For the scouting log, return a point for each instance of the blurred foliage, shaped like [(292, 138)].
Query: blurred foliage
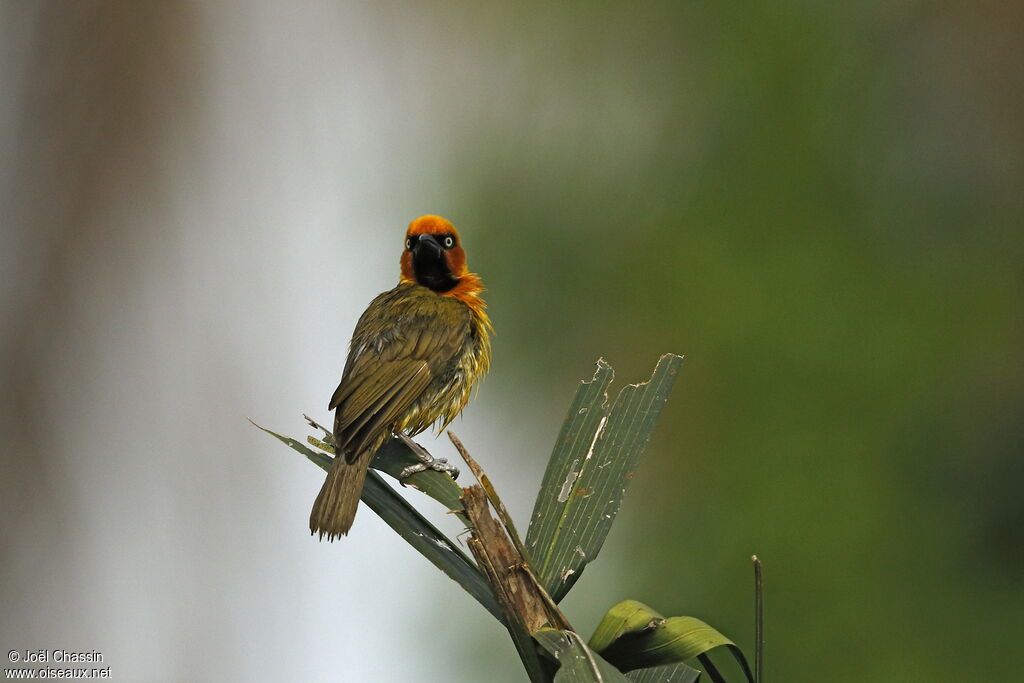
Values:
[(820, 205)]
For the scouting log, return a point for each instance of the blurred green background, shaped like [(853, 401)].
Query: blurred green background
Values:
[(819, 204)]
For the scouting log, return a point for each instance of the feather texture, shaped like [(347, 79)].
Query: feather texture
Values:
[(412, 362), (414, 356)]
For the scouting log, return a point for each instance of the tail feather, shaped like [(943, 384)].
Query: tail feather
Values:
[(336, 504)]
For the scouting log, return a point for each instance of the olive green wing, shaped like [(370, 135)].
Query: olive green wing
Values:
[(387, 373)]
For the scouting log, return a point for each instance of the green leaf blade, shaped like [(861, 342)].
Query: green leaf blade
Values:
[(576, 662), (598, 449), (633, 636), (672, 640), (413, 527), (669, 673), (628, 616), (425, 537)]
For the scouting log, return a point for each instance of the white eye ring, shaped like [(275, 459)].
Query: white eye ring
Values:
[(449, 242), (408, 243)]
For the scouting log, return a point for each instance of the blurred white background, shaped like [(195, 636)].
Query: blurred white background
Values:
[(199, 200)]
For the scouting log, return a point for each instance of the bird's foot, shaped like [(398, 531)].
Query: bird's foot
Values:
[(426, 461)]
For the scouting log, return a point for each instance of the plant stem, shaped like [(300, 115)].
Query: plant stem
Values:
[(557, 618), (521, 604), (758, 620)]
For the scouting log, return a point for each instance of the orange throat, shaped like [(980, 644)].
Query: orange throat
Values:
[(467, 291)]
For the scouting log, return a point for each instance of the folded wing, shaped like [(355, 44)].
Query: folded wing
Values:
[(387, 373)]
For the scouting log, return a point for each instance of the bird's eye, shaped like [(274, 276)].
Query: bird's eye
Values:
[(449, 242), (408, 243)]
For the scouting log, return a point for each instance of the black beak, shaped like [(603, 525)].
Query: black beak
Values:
[(430, 264), (427, 244)]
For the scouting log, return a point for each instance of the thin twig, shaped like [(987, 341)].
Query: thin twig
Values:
[(492, 495), (758, 620), (329, 435)]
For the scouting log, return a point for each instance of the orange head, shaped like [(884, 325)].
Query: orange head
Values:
[(434, 258)]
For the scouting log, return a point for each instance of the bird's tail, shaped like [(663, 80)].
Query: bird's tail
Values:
[(336, 504)]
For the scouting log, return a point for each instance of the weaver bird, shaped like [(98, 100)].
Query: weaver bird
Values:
[(415, 354)]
